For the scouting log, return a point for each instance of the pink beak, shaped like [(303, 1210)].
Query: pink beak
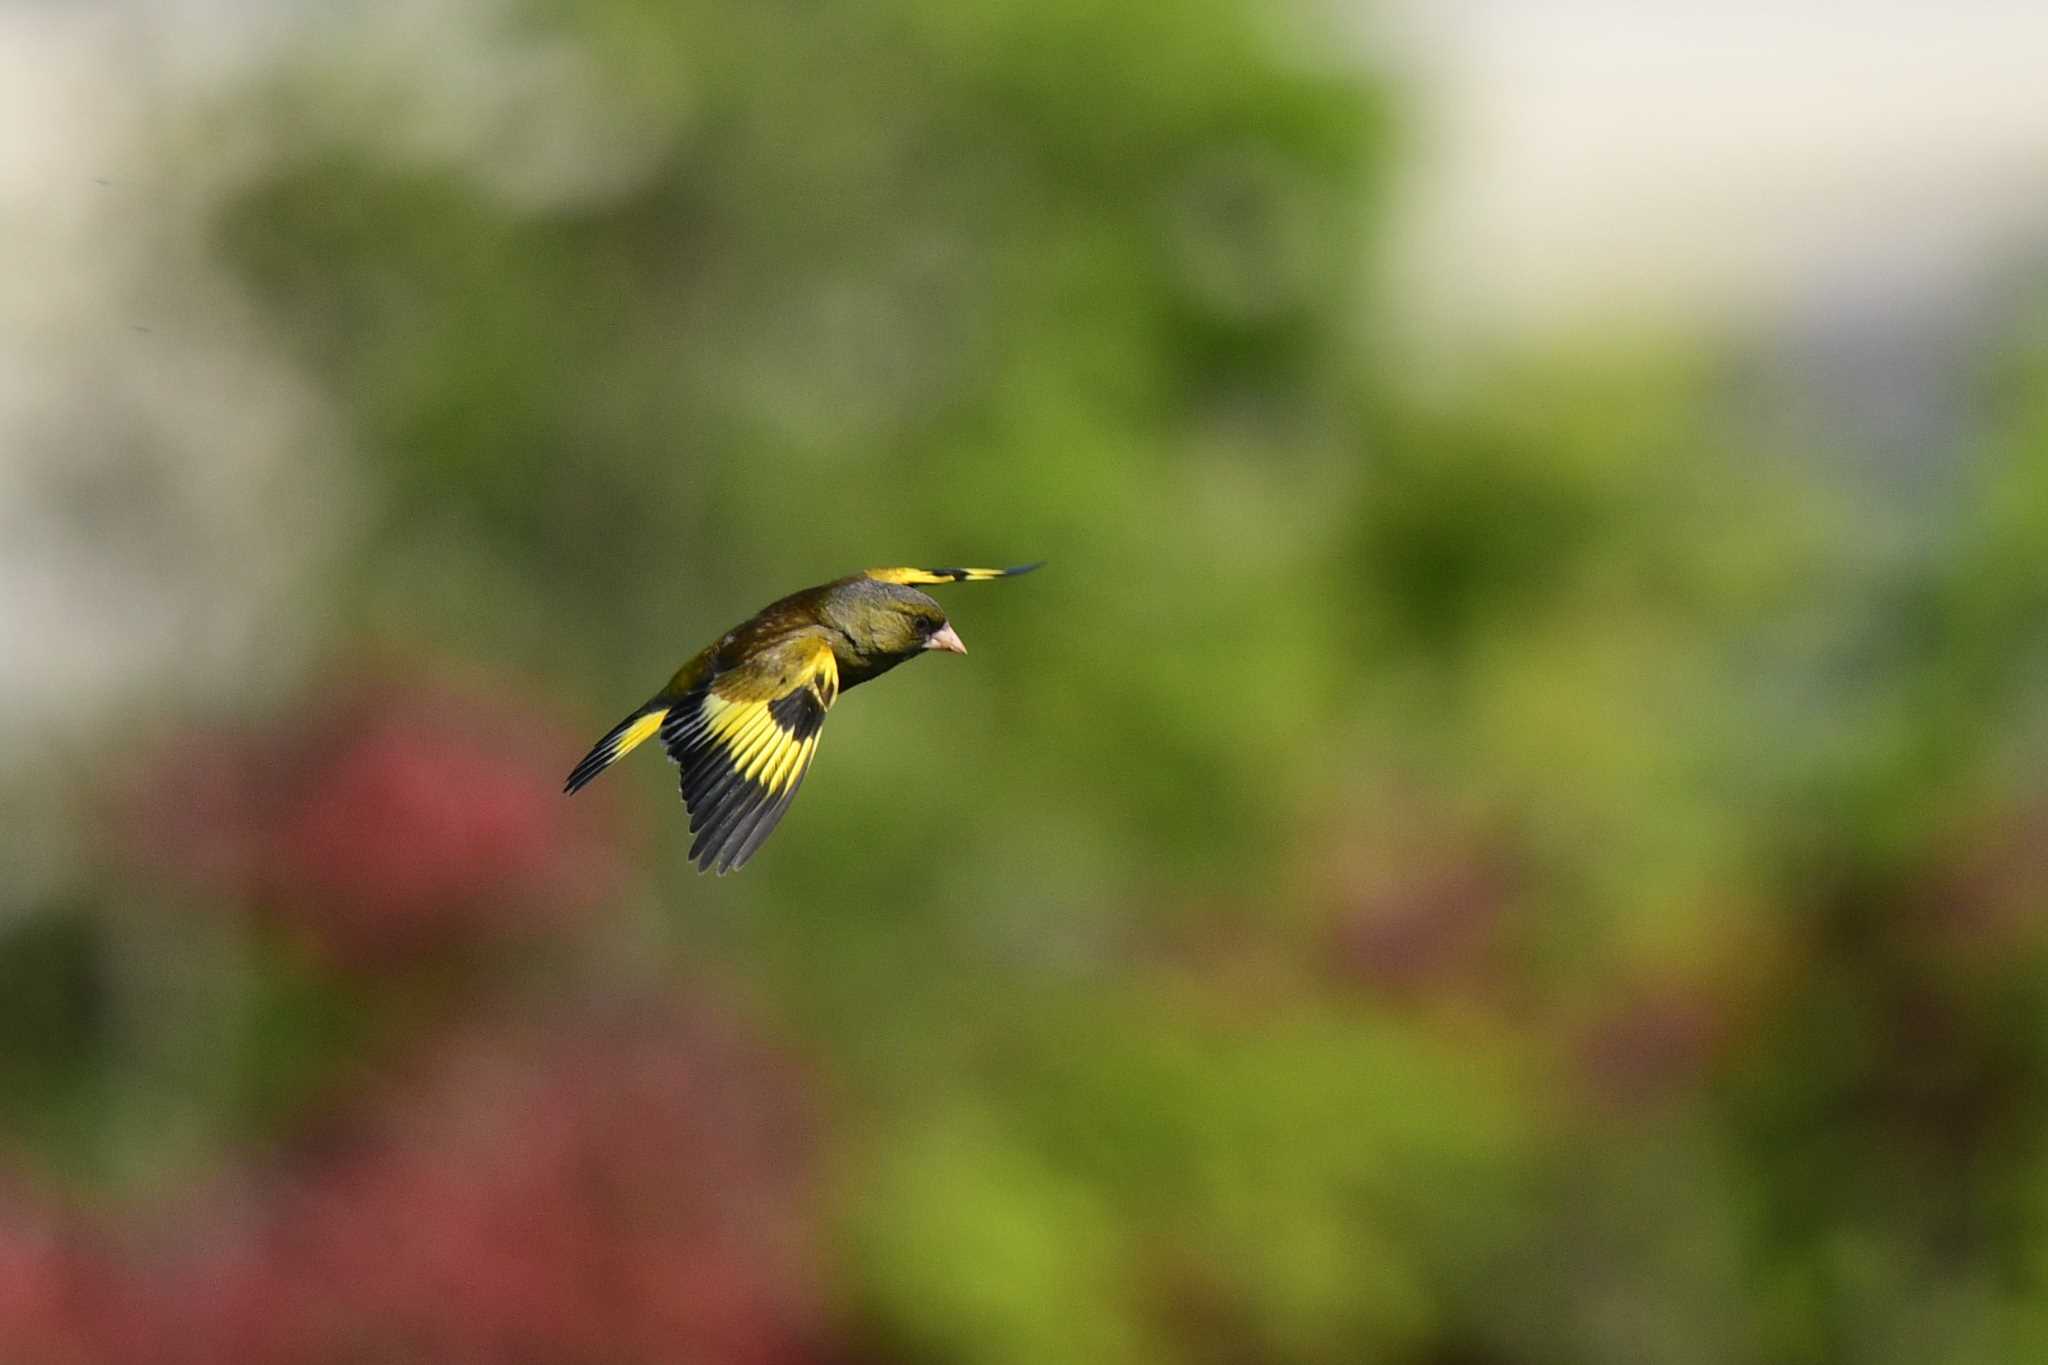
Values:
[(944, 638)]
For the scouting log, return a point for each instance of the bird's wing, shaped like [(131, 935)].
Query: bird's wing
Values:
[(744, 738), (928, 577)]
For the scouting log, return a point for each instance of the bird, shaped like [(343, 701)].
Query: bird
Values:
[(741, 719)]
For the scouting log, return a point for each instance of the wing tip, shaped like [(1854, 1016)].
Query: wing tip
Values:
[(736, 821), (916, 577)]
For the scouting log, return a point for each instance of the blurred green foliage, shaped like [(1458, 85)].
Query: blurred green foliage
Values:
[(1498, 871)]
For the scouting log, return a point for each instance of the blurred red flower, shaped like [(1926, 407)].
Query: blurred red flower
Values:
[(633, 1189), (388, 818), (1421, 918), (1427, 930), (57, 1292), (1659, 1039), (1980, 903)]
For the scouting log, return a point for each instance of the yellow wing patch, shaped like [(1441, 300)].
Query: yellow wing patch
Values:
[(754, 739), (930, 577), (744, 741)]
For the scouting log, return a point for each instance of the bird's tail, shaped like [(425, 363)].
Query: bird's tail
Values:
[(627, 735)]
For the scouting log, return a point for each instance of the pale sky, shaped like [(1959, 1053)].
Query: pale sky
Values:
[(1711, 161)]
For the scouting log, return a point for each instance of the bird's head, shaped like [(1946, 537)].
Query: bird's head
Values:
[(886, 621)]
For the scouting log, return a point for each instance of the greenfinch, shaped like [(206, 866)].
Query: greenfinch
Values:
[(741, 719)]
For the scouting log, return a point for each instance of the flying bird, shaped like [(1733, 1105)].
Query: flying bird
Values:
[(742, 718)]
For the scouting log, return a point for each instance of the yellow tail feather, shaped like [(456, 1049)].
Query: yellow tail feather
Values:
[(626, 736)]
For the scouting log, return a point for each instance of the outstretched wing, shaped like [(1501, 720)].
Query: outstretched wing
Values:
[(744, 739), (917, 578)]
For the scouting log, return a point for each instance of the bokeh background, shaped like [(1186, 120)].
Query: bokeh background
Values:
[(1513, 828)]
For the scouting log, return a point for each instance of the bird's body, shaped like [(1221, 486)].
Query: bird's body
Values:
[(741, 719)]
